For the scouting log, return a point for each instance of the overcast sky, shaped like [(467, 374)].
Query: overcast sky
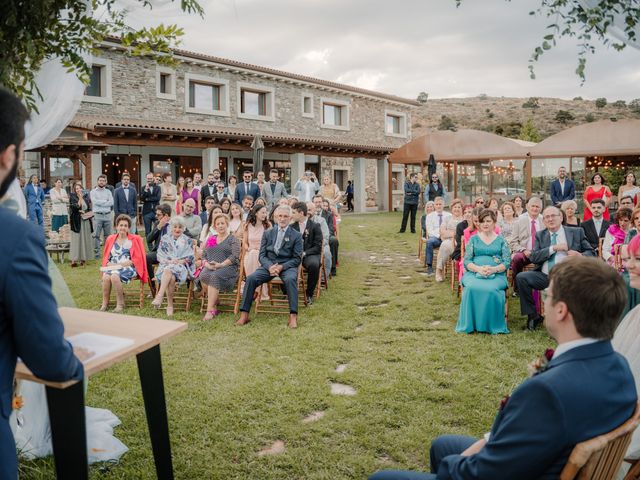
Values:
[(404, 46)]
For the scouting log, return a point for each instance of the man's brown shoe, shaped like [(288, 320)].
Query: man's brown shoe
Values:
[(293, 320), (244, 318)]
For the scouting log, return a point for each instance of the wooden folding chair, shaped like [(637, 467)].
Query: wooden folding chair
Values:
[(134, 293), (600, 458), (278, 302), (182, 296), (227, 301), (324, 279)]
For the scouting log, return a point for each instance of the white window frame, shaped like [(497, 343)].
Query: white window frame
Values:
[(105, 82), (400, 187), (302, 98), (346, 113), (403, 123), (172, 83), (224, 94), (270, 101)]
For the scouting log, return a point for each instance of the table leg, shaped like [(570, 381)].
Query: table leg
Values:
[(68, 431), (150, 370)]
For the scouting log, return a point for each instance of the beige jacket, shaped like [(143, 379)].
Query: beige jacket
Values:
[(519, 240)]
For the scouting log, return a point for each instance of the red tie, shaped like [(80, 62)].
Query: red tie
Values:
[(533, 233)]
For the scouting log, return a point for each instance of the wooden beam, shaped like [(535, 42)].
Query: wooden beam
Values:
[(153, 136)]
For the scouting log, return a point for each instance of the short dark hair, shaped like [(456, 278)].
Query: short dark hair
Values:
[(273, 170), (598, 200), (123, 217), (300, 207), (487, 212), (247, 196), (126, 175), (164, 208), (13, 116), (165, 175), (594, 293), (102, 176), (604, 180), (210, 197), (623, 212)]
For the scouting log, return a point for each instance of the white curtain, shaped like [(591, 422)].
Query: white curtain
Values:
[(616, 29)]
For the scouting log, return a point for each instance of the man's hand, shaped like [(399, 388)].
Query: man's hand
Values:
[(475, 448), (573, 253), (273, 270), (561, 247), (527, 253), (82, 353)]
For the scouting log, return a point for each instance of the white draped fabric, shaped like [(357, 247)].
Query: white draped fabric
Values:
[(615, 30)]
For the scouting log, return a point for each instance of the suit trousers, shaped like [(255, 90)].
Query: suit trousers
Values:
[(432, 243), (8, 457), (409, 209), (311, 263), (152, 259), (148, 219), (289, 277), (528, 282), (441, 447), (333, 246), (518, 262), (444, 253), (35, 214)]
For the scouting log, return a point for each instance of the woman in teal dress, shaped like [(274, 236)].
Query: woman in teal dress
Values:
[(486, 260)]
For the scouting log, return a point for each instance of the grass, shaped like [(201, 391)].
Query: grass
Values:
[(232, 391)]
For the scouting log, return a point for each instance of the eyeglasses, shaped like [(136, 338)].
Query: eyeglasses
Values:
[(547, 217), (220, 186), (478, 202)]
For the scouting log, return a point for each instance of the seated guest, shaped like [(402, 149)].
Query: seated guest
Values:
[(596, 227), (159, 228), (225, 205), (552, 246), (635, 225), (429, 207), (584, 391), (495, 206), (479, 202), (219, 194), (123, 261), (627, 202), (522, 237), (507, 220), (447, 234), (460, 228), (220, 264), (518, 203), (569, 208), (257, 223), (324, 228), (235, 214), (616, 233), (176, 259), (247, 203), (209, 203), (486, 260), (208, 229), (280, 255), (311, 244), (192, 222), (260, 201), (331, 223), (470, 231)]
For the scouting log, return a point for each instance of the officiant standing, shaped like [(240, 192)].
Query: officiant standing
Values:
[(30, 327)]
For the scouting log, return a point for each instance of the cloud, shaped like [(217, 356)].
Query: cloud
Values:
[(403, 47)]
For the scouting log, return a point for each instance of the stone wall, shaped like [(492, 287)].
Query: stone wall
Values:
[(134, 97), (329, 163)]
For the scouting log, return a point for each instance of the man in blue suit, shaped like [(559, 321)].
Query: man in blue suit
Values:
[(35, 199), (247, 187), (562, 188), (280, 255), (585, 390), (30, 327), (125, 201)]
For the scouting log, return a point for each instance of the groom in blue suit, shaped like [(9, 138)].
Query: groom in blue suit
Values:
[(30, 327), (280, 255), (586, 389)]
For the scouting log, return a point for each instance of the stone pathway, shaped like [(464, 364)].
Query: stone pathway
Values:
[(276, 448)]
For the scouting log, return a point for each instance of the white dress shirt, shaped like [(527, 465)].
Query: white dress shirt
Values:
[(565, 347), (559, 256), (597, 222), (434, 221)]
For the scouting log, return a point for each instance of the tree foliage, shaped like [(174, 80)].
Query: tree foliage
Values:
[(587, 25), (447, 123), (533, 103), (564, 117), (634, 105), (601, 102), (508, 129), (36, 30), (423, 97), (529, 132)]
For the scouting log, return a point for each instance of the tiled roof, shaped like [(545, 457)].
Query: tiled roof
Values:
[(106, 124), (281, 73)]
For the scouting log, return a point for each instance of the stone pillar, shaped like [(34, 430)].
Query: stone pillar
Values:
[(382, 195), (359, 184), (297, 168), (96, 168), (210, 161)]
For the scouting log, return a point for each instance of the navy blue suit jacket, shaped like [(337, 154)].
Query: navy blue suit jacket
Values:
[(290, 253), (32, 198), (583, 393), (556, 193), (150, 199), (241, 191), (121, 205), (30, 326)]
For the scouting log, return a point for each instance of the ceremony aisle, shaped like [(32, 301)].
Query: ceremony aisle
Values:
[(374, 372)]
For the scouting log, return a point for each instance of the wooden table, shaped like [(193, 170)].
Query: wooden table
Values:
[(58, 249), (66, 399)]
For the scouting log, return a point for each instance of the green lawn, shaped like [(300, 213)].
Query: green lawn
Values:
[(232, 391)]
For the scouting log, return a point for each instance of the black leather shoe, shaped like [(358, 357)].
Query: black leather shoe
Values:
[(534, 322)]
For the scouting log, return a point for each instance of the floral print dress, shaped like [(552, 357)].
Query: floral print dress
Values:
[(120, 253), (171, 249)]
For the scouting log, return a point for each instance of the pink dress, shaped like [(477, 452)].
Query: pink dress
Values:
[(251, 260), (194, 196)]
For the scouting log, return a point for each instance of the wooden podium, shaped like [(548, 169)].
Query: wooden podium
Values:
[(66, 399)]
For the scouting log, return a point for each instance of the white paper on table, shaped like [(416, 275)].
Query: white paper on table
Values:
[(99, 344)]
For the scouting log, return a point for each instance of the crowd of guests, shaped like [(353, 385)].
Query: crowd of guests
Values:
[(493, 246), (201, 232)]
